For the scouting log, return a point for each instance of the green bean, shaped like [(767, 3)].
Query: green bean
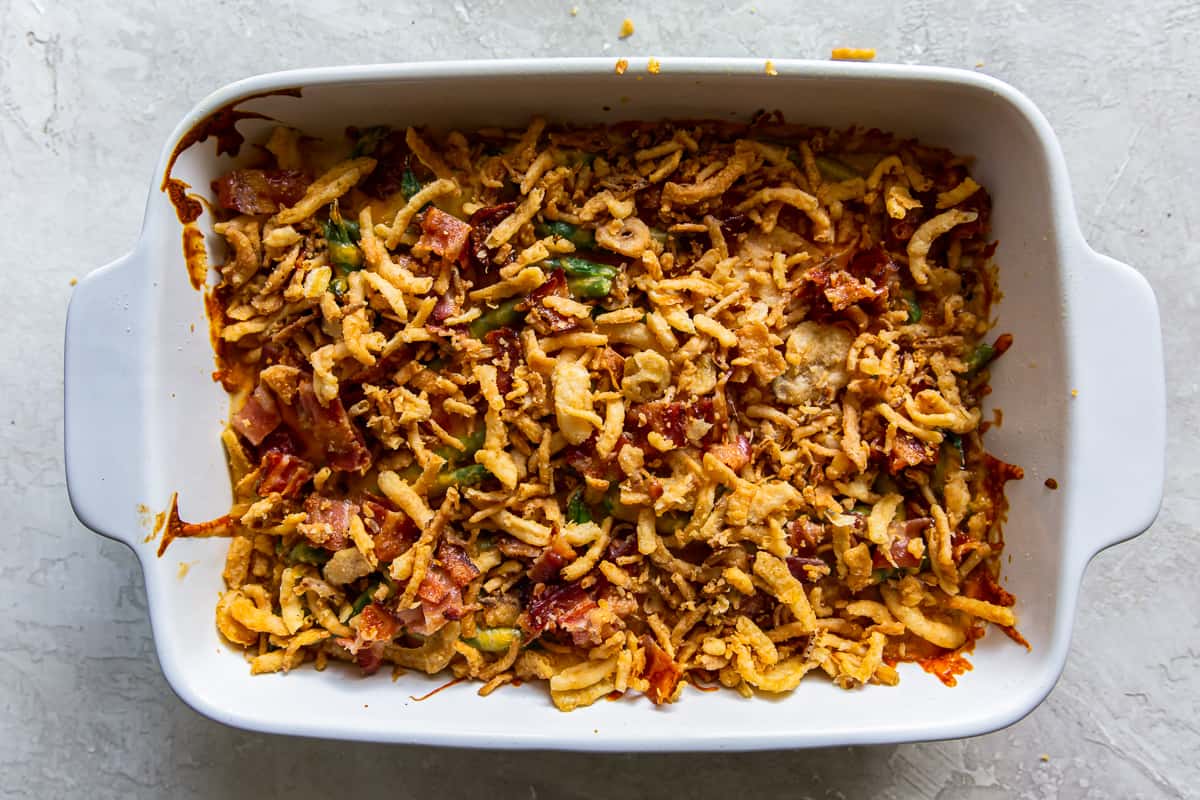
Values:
[(305, 553), (580, 237), (881, 575), (369, 140), (950, 456), (364, 599), (340, 237), (409, 184), (589, 288), (577, 267), (463, 476), (339, 286), (980, 357), (914, 308), (577, 510), (502, 316), (494, 640), (833, 170)]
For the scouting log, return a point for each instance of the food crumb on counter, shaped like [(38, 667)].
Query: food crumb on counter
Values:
[(853, 54), (770, 68), (626, 28), (1045, 757), (74, 281), (574, 11), (184, 566), (1050, 483), (622, 65), (1074, 393), (653, 66)]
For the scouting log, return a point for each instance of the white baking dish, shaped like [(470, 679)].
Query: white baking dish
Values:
[(143, 415)]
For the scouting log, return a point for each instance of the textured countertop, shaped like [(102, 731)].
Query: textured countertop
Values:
[(87, 97)]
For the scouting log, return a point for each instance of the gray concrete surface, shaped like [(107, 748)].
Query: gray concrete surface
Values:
[(87, 95)]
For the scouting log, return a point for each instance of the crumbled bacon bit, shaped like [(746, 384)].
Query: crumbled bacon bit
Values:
[(551, 560), (909, 451), (377, 624), (547, 321), (260, 191), (901, 534), (735, 454), (392, 533), (457, 563), (515, 548), (566, 608), (436, 585), (258, 417), (283, 473), (444, 234), (807, 569), (661, 672), (483, 222), (804, 535), (506, 356), (328, 522), (332, 430)]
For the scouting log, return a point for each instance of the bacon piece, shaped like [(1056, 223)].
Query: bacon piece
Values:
[(444, 234), (735, 454), (482, 223), (547, 321), (377, 624), (327, 523), (902, 532), (844, 290), (909, 451), (551, 560), (506, 356), (260, 191), (283, 473), (668, 418), (619, 547), (515, 548), (393, 533), (584, 459), (280, 440), (332, 430), (611, 363), (876, 265), (258, 417), (806, 568), (804, 535), (368, 656), (447, 306), (457, 563), (660, 672), (436, 586), (565, 608), (429, 617)]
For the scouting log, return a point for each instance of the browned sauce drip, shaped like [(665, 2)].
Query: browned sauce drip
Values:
[(445, 685), (221, 124)]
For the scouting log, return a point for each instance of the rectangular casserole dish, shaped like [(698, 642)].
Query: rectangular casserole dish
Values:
[(1082, 396)]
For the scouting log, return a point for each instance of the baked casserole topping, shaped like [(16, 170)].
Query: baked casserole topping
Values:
[(618, 407)]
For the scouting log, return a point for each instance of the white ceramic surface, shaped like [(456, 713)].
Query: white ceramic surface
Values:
[(142, 415)]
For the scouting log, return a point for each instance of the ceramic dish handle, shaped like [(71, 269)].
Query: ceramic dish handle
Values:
[(105, 398), (1119, 399)]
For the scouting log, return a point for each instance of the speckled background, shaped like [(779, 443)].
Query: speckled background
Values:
[(87, 96)]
